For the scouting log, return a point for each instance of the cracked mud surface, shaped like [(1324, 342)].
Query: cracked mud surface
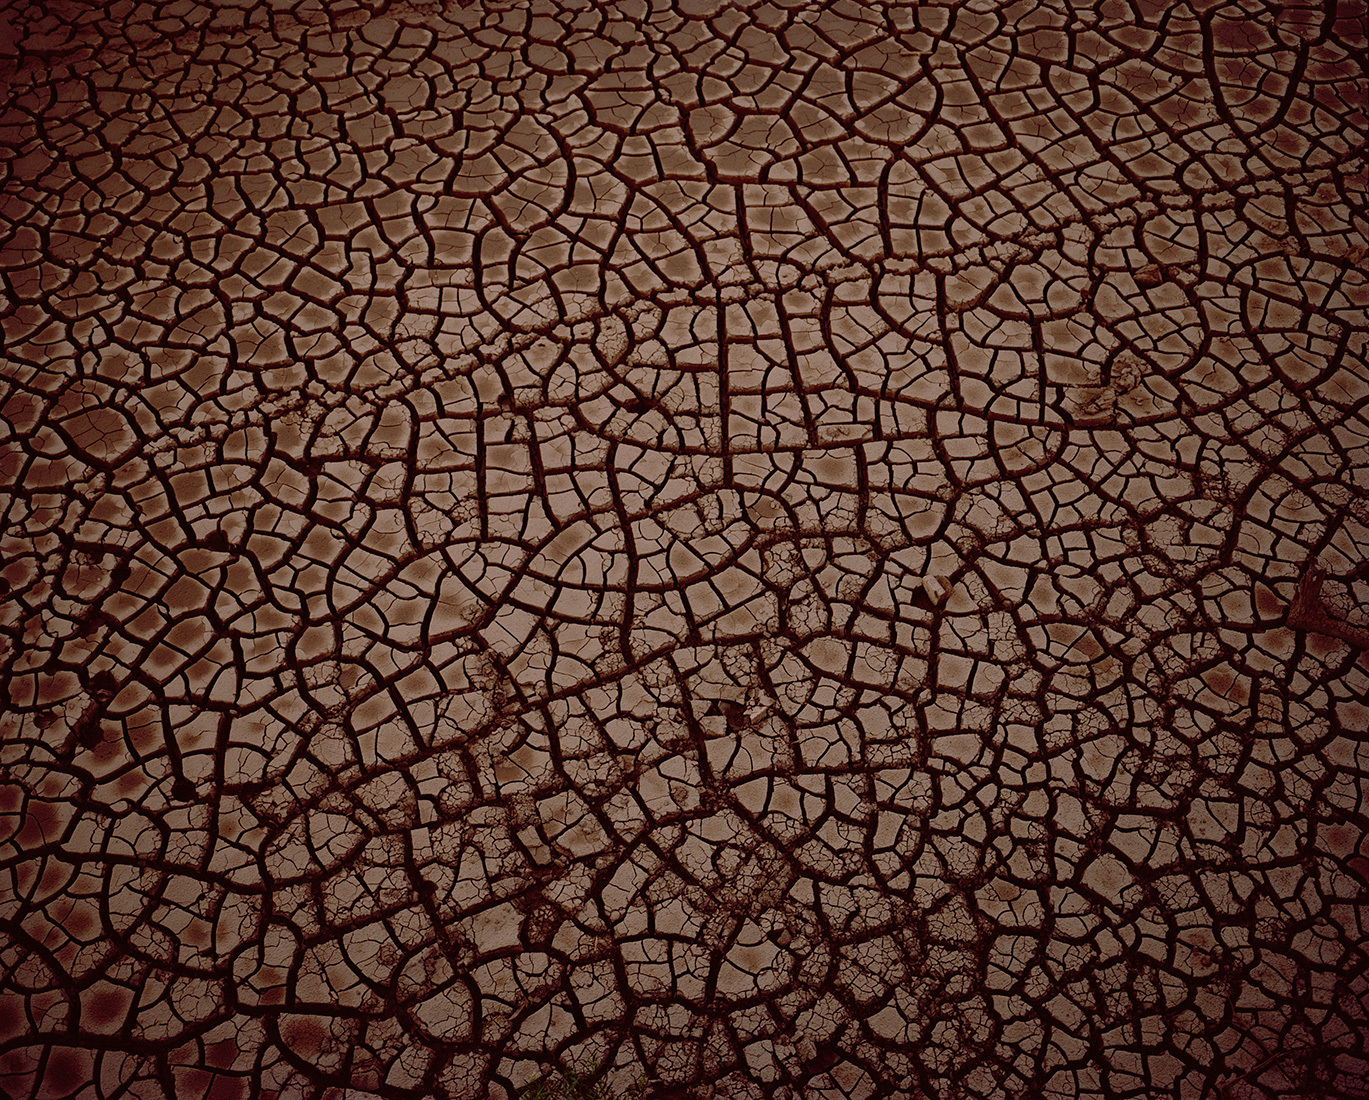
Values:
[(744, 543)]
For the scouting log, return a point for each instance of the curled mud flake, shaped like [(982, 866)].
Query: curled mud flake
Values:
[(684, 549)]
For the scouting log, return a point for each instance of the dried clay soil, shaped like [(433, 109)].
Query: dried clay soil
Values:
[(745, 545)]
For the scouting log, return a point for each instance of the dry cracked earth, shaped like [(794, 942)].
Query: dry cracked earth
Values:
[(744, 545)]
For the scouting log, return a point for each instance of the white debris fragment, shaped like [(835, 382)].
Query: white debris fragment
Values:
[(937, 589)]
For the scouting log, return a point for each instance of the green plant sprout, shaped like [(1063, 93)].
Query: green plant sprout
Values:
[(568, 1084)]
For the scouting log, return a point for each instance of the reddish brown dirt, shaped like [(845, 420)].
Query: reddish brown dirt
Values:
[(749, 545)]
